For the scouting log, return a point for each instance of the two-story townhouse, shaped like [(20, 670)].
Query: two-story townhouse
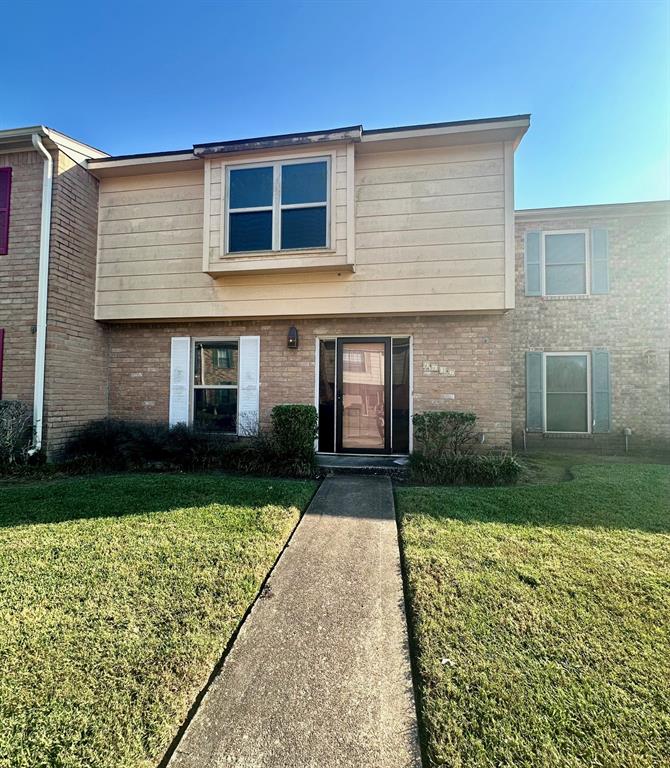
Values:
[(591, 327), (371, 273), (368, 272), (52, 351)]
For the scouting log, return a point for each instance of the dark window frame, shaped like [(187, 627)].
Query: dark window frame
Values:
[(277, 208), (194, 386)]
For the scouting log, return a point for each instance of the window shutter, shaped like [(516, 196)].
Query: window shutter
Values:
[(600, 390), (248, 411), (532, 264), (2, 356), (534, 392), (180, 380), (5, 197), (600, 282)]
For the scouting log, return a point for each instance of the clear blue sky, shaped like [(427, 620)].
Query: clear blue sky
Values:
[(155, 76)]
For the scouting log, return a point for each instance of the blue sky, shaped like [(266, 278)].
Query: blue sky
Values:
[(154, 76)]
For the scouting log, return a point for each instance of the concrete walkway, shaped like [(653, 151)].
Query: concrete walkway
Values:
[(319, 675)]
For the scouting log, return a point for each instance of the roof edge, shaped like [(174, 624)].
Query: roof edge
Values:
[(16, 136), (354, 133), (348, 133), (603, 209), (141, 155), (448, 124)]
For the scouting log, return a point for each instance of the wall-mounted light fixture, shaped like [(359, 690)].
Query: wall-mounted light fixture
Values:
[(292, 341)]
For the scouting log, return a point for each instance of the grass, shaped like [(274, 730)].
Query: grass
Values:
[(117, 596), (541, 617)]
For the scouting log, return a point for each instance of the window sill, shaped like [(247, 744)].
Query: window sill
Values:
[(567, 435), (272, 261), (269, 254), (567, 297)]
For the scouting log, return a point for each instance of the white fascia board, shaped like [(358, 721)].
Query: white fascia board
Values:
[(154, 164), (448, 135), (648, 207)]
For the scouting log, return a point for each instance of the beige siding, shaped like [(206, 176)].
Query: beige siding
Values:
[(428, 234)]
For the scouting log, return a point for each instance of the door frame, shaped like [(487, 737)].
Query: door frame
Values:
[(339, 406)]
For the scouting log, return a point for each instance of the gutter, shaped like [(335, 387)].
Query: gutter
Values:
[(42, 294)]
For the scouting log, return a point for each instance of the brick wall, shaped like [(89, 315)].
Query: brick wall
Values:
[(476, 348), (632, 321), (76, 369), (18, 274)]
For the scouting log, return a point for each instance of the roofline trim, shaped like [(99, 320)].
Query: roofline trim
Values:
[(596, 208), (22, 134), (280, 136), (68, 141), (187, 153), (346, 133), (56, 137), (449, 124)]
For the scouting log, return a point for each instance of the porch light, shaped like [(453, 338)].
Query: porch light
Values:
[(292, 338)]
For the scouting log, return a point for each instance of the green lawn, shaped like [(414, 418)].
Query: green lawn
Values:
[(541, 617), (117, 596)]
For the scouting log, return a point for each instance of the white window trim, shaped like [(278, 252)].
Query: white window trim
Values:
[(589, 416), (193, 386), (276, 208), (587, 261)]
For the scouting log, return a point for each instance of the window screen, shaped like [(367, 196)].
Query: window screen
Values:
[(567, 393)]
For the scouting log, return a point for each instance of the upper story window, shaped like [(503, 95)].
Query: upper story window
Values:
[(567, 262), (278, 206)]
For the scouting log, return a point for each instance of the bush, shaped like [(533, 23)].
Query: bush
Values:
[(446, 440), (294, 430), (445, 433), (102, 444), (123, 445), (111, 444), (15, 433), (465, 469), (188, 449)]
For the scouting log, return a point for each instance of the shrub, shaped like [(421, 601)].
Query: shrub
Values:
[(112, 444), (445, 433), (465, 469), (99, 443), (122, 445), (445, 457), (294, 430), (15, 433), (189, 449)]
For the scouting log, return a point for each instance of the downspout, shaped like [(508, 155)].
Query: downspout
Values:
[(42, 292)]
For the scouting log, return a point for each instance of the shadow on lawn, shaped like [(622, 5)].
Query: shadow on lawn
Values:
[(116, 496)]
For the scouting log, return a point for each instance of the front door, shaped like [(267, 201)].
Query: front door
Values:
[(363, 395)]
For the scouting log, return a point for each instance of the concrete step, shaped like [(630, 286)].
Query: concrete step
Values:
[(372, 464)]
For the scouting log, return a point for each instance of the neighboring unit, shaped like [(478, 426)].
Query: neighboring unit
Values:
[(52, 352), (591, 328)]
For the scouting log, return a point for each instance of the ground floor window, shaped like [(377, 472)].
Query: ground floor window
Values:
[(567, 391), (215, 385)]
